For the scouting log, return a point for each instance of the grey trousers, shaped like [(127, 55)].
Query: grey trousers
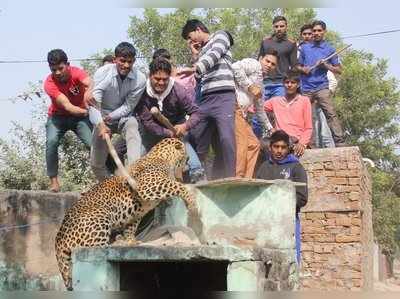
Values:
[(324, 100), (99, 151)]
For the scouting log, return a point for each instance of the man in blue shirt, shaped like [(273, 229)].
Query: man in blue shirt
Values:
[(315, 82)]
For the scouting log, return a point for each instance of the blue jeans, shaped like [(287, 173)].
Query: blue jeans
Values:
[(273, 90), (56, 127), (193, 163), (323, 134), (270, 90), (297, 237)]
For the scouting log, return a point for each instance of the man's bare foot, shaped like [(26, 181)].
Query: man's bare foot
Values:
[(54, 185)]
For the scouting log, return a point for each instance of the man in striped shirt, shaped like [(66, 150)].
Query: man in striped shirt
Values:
[(213, 71)]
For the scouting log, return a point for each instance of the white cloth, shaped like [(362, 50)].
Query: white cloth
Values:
[(248, 71), (160, 97), (332, 81)]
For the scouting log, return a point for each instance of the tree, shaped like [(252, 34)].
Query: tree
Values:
[(248, 27), (368, 105)]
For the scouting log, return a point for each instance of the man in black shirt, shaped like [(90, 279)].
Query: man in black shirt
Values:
[(283, 165), (287, 54)]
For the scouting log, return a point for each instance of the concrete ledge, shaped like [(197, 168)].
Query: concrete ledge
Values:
[(174, 253)]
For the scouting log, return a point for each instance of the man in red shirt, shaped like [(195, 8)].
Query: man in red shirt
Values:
[(292, 113), (70, 89)]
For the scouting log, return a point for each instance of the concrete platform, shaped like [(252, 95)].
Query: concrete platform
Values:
[(246, 231)]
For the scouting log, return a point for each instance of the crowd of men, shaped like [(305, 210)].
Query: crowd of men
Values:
[(257, 115)]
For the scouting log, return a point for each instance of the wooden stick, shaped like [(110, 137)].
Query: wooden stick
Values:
[(330, 56), (162, 119), (117, 161)]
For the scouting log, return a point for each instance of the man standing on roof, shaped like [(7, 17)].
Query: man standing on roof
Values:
[(314, 82), (322, 132), (213, 69), (287, 57)]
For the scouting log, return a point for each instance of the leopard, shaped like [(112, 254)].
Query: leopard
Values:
[(114, 205)]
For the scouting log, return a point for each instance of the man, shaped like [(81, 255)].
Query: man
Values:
[(173, 101), (287, 53), (269, 61), (70, 89), (315, 82), (213, 71), (107, 59), (248, 76), (189, 82), (282, 165), (117, 90), (322, 132), (292, 113)]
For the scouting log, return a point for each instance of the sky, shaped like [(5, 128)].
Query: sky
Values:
[(29, 29)]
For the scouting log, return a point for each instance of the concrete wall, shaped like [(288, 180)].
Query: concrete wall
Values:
[(28, 225), (337, 221)]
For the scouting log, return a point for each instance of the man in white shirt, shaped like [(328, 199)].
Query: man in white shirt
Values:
[(117, 90), (248, 75)]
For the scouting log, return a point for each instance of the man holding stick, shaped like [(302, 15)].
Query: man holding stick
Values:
[(315, 61), (163, 109), (117, 90)]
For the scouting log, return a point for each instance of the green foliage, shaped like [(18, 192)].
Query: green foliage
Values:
[(368, 105), (154, 31), (386, 210), (248, 27), (22, 160)]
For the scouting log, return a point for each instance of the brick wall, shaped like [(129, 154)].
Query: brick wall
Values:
[(337, 231)]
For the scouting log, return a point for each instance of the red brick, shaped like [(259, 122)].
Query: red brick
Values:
[(330, 222), (324, 238), (306, 247), (328, 248), (320, 257), (353, 165), (349, 173), (343, 221), (313, 230), (357, 283), (317, 166), (354, 181), (308, 256), (328, 165), (347, 238), (330, 215), (307, 238), (355, 230), (338, 181), (312, 215), (353, 196), (356, 221), (329, 173)]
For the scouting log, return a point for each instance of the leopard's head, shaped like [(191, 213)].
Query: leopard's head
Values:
[(172, 150)]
